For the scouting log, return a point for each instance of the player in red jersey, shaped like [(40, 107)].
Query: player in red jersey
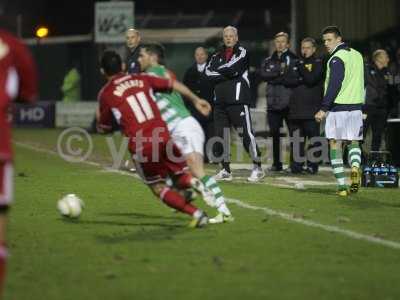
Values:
[(129, 98), (18, 80)]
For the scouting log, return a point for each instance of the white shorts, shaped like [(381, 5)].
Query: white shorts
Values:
[(344, 125), (6, 183), (189, 136)]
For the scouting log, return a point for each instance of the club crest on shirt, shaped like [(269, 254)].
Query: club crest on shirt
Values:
[(308, 67)]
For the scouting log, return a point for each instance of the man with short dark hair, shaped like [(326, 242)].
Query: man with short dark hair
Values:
[(130, 99), (186, 132), (280, 72), (341, 105), (304, 106)]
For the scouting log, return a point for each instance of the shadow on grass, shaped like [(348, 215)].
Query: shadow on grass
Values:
[(118, 223), (177, 216), (143, 234), (140, 229)]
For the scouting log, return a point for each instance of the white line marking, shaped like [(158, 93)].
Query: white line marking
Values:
[(330, 228), (294, 180), (52, 152), (268, 211)]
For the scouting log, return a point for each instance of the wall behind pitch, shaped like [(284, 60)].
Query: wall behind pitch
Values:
[(179, 57), (357, 19), (53, 62)]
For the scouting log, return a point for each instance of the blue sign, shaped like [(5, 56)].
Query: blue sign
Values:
[(38, 115)]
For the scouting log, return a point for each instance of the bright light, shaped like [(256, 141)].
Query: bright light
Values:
[(42, 32)]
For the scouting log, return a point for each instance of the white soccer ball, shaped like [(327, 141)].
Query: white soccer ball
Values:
[(70, 206)]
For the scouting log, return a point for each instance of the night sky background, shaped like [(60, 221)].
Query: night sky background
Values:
[(77, 17)]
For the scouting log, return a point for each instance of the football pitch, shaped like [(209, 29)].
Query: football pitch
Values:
[(285, 243)]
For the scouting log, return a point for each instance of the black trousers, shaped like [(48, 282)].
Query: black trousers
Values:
[(208, 128), (275, 120), (376, 119), (238, 116), (305, 129)]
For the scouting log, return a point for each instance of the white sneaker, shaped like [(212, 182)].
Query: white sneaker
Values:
[(221, 218), (256, 175), (223, 175)]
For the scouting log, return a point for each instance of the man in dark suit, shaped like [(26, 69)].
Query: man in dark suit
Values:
[(198, 82), (304, 105), (376, 97)]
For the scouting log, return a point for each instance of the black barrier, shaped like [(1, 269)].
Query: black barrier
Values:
[(393, 140), (38, 115)]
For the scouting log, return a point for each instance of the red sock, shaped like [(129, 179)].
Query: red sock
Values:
[(3, 259), (184, 181), (174, 200)]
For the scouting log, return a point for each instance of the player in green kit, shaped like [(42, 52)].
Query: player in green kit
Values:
[(185, 130), (341, 106)]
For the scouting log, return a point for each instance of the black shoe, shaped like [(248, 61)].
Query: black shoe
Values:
[(293, 171), (275, 169), (312, 171), (297, 171)]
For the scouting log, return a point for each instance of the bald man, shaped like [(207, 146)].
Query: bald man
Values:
[(228, 69), (198, 82), (133, 38)]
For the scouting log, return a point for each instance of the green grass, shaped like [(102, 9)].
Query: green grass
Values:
[(127, 245)]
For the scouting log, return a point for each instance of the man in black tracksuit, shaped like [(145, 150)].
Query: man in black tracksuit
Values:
[(376, 97), (304, 105), (281, 74), (228, 69)]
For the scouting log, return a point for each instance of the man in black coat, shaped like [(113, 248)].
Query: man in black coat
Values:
[(376, 98), (228, 69), (198, 82), (280, 72), (304, 105), (394, 86)]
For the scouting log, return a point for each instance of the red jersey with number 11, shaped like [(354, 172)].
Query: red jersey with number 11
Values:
[(130, 99)]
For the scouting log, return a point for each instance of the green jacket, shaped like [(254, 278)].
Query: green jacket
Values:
[(71, 87), (344, 82)]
